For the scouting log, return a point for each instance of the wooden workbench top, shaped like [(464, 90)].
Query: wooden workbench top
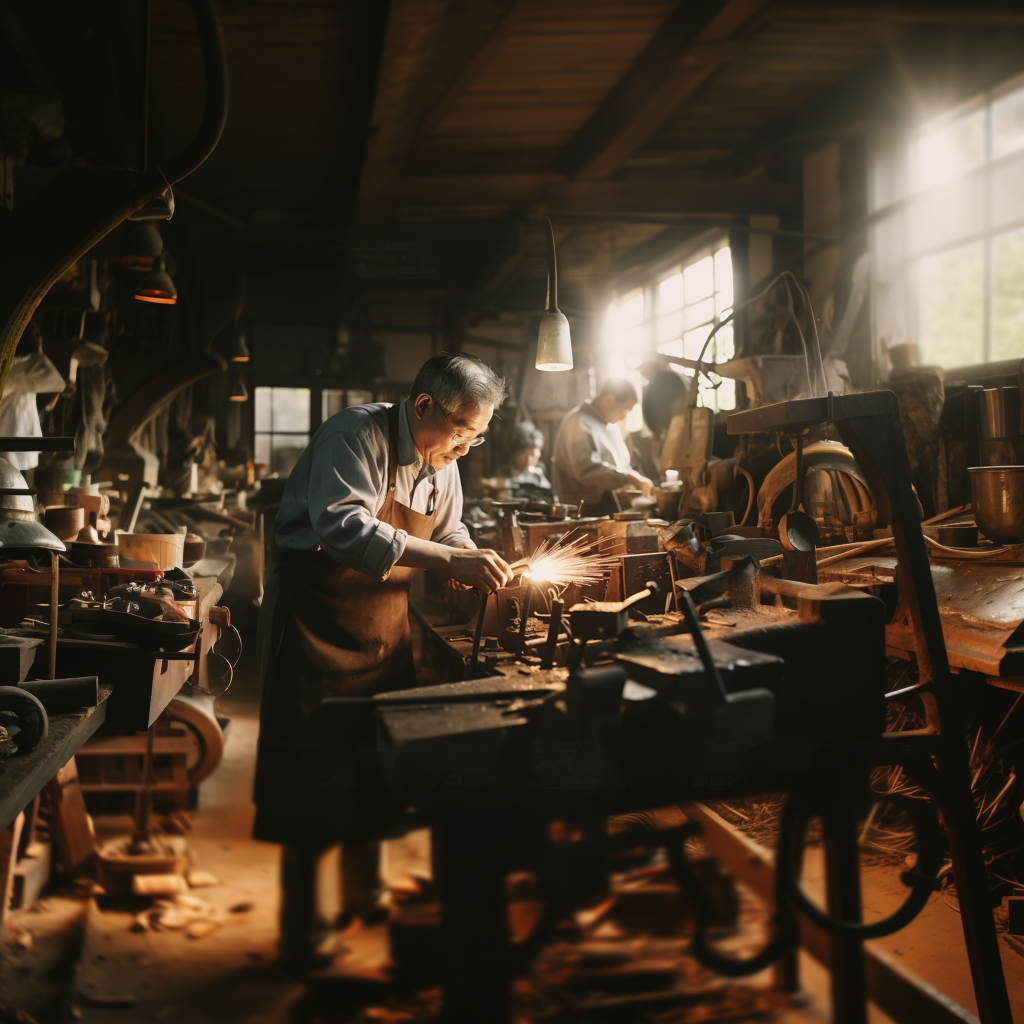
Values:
[(23, 776)]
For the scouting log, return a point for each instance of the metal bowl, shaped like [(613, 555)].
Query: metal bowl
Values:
[(997, 494)]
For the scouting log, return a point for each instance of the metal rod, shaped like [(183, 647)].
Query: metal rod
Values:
[(478, 632), (524, 616), (54, 604), (701, 643), (554, 629), (144, 19), (142, 799)]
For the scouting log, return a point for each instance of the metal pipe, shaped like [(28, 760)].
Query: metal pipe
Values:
[(554, 630), (144, 85), (54, 603), (524, 616), (478, 632)]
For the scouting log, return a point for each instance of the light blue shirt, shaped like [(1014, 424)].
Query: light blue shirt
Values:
[(340, 483)]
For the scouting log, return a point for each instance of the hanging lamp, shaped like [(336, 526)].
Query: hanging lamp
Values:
[(157, 287), (554, 349), (143, 246), (239, 392)]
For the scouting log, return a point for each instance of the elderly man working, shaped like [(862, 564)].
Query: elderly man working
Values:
[(374, 497), (591, 459)]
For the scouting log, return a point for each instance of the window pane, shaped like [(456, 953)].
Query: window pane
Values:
[(693, 342), (949, 151), (261, 410), (262, 449), (670, 326), (332, 400), (1008, 296), (290, 409), (700, 279), (723, 271), (672, 348), (285, 450), (627, 312), (725, 348), (1008, 123), (670, 293), (701, 313), (950, 306)]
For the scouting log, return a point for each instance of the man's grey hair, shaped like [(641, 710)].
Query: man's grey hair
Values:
[(455, 380)]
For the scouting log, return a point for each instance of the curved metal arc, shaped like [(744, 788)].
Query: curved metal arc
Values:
[(80, 206)]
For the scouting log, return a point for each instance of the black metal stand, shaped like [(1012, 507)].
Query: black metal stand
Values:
[(869, 425), (469, 868)]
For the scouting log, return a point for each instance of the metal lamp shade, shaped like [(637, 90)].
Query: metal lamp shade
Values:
[(239, 392), (142, 248), (157, 287), (21, 534), (554, 349), (240, 351)]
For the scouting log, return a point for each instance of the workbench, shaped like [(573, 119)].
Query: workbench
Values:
[(24, 776)]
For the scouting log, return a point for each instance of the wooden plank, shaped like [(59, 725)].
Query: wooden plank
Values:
[(25, 776), (10, 839), (516, 13), (670, 68), (895, 990), (69, 822)]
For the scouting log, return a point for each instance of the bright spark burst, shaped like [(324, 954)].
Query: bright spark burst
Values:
[(569, 560)]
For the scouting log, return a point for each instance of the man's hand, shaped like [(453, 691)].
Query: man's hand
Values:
[(479, 568), (636, 480)]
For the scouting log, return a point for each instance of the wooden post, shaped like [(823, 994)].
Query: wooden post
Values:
[(54, 602)]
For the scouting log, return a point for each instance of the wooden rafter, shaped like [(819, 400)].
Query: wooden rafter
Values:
[(694, 41)]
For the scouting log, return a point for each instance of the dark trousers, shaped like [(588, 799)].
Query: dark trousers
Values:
[(301, 926)]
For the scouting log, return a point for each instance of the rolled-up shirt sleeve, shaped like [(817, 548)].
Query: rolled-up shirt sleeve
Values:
[(344, 481)]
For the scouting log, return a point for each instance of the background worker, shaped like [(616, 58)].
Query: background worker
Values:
[(591, 458), (525, 469), (375, 496)]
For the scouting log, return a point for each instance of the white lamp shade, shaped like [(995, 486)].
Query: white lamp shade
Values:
[(554, 349)]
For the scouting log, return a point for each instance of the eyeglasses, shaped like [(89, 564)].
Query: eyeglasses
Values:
[(460, 440)]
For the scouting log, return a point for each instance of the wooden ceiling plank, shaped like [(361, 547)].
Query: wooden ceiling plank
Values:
[(516, 13), (413, 32), (691, 45)]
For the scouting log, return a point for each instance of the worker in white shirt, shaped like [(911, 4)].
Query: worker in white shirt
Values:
[(591, 458)]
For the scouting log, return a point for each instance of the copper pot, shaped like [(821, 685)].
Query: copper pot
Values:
[(65, 521), (997, 494)]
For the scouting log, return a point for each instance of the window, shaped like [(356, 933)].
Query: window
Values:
[(282, 426), (333, 400), (673, 316), (949, 257)]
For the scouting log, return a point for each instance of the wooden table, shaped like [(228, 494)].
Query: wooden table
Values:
[(25, 776)]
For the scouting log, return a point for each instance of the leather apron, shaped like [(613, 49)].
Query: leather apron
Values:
[(334, 632)]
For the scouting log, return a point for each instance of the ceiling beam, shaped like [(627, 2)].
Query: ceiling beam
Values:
[(695, 40), (552, 195)]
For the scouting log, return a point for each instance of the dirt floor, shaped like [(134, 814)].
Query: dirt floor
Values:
[(72, 957)]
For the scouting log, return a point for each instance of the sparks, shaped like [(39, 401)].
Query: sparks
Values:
[(567, 560)]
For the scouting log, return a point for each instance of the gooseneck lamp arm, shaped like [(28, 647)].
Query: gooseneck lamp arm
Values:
[(552, 306)]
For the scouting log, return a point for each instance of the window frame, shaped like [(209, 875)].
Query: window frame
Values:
[(652, 315), (897, 159)]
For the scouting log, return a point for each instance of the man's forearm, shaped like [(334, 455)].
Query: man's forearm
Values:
[(426, 554)]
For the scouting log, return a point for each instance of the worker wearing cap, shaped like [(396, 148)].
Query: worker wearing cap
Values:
[(525, 469), (591, 458), (375, 496)]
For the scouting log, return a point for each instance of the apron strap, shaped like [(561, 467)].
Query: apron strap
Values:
[(393, 447), (393, 414)]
